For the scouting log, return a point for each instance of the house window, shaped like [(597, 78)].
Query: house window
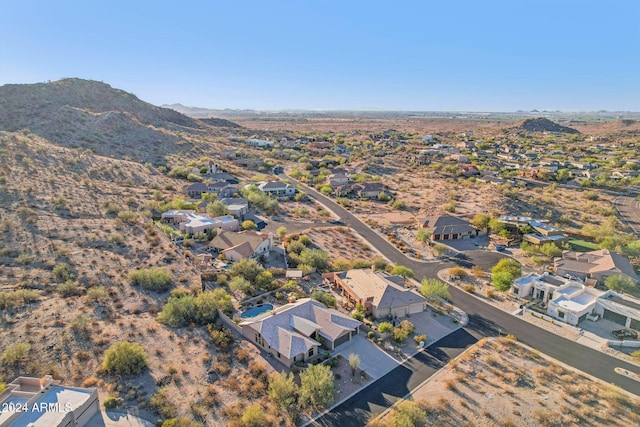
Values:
[(311, 352), (561, 314), (278, 355)]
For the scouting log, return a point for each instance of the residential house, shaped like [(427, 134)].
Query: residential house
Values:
[(594, 266), (219, 188), (191, 223), (224, 176), (490, 179), (343, 190), (381, 295), (237, 206), (259, 143), (447, 227), (245, 244), (259, 221), (537, 286), (337, 179), (44, 402), (369, 190), (469, 170), (296, 331), (621, 174), (544, 233), (278, 189)]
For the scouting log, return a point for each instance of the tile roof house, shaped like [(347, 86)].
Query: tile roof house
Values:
[(294, 332), (595, 266), (246, 244), (447, 227), (278, 188), (369, 190), (45, 403), (381, 294), (219, 188)]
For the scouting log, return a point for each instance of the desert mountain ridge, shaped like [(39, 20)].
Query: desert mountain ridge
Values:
[(541, 124), (87, 114)]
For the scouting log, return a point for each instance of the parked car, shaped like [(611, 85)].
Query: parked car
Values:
[(500, 248), (625, 333), (335, 222)]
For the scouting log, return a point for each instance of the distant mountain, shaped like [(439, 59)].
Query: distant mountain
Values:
[(88, 114), (541, 124)]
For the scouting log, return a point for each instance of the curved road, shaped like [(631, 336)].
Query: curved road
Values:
[(486, 320), (629, 209)]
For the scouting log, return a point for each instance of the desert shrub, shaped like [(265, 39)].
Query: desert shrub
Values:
[(160, 404), (25, 259), (371, 335), (111, 402), (181, 422), (325, 298), (419, 338), (399, 335), (97, 294), (458, 271), (432, 288), (68, 288), (13, 354), (247, 268), (125, 358), (385, 327), (128, 217), (63, 272), (490, 293), (178, 311), (90, 382), (469, 288), (154, 279), (221, 337)]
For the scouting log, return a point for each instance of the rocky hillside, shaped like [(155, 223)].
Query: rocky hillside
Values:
[(540, 124), (86, 114)]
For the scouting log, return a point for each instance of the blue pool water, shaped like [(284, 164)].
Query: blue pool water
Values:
[(258, 309)]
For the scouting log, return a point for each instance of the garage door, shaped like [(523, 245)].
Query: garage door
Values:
[(635, 324), (341, 340), (615, 317)]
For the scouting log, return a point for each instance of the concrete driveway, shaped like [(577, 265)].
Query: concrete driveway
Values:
[(117, 419), (375, 361), (434, 326)]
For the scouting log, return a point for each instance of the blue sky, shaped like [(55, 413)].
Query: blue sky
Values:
[(571, 55)]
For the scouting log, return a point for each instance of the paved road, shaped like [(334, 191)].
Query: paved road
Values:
[(487, 320), (357, 410), (629, 210)]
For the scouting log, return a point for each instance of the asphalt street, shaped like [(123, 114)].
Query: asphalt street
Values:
[(629, 209), (484, 320)]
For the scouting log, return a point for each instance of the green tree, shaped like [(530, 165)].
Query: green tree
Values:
[(354, 363), (178, 311), (324, 297), (502, 280), (432, 288), (402, 271), (407, 414), (283, 390), (385, 327), (551, 250), (216, 208), (619, 283), (240, 284), (248, 268), (423, 235), (125, 358), (316, 386), (496, 225), (509, 265), (315, 258), (281, 232), (249, 225), (481, 221)]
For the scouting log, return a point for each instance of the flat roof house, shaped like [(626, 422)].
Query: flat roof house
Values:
[(294, 332), (381, 294), (191, 223), (45, 403)]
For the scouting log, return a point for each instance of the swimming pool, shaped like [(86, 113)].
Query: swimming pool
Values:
[(258, 309)]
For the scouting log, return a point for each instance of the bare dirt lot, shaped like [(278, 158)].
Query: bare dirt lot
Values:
[(501, 382)]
